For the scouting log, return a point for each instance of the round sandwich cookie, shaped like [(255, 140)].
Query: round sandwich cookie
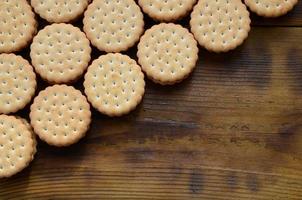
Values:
[(17, 145), (114, 84), (220, 25), (167, 53), (18, 25), (60, 53), (166, 10), (17, 83), (113, 25), (60, 115), (58, 11), (271, 8)]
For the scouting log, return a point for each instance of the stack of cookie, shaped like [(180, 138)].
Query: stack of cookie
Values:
[(114, 83)]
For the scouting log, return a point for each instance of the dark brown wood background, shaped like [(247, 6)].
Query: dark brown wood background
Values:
[(232, 130)]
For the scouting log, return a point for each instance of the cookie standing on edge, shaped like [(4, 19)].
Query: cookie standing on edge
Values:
[(60, 53), (17, 145), (271, 8), (167, 53), (113, 25), (114, 84), (220, 25), (59, 11), (60, 115), (166, 10), (17, 83), (18, 25)]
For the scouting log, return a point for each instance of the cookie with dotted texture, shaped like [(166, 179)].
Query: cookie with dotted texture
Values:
[(17, 145), (114, 84), (18, 25), (271, 8), (29, 128), (60, 53), (60, 115), (167, 53), (113, 25), (58, 11), (220, 25), (166, 10), (17, 83)]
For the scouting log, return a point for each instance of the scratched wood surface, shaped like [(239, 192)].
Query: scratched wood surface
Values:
[(233, 130)]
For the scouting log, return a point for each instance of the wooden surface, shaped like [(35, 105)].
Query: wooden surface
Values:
[(233, 130)]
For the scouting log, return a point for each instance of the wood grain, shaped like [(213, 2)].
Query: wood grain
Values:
[(233, 130)]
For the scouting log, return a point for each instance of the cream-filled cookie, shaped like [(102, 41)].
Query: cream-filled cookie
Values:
[(60, 53), (60, 115), (113, 25), (114, 84), (59, 11), (166, 10), (17, 145), (167, 53), (220, 25), (17, 83), (17, 25), (271, 8)]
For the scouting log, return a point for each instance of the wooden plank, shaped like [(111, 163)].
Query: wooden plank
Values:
[(232, 130)]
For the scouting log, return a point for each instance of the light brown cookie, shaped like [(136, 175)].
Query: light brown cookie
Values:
[(60, 115), (167, 53), (29, 128), (18, 25), (17, 145), (220, 25), (271, 8), (60, 53), (17, 83), (166, 10), (114, 84), (113, 25), (59, 10)]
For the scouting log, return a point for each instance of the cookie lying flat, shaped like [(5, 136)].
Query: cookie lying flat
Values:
[(17, 145), (166, 10), (220, 25), (59, 10), (114, 84), (271, 8), (18, 25), (60, 53), (167, 53), (113, 25), (60, 115), (17, 83)]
